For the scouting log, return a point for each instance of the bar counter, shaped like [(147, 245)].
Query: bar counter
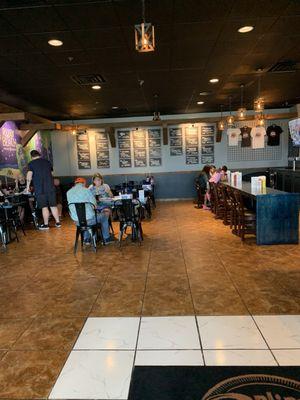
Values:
[(277, 214)]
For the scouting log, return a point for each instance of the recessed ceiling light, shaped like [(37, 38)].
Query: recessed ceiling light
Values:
[(55, 42), (214, 80), (96, 87), (200, 102), (205, 93), (115, 107), (246, 29)]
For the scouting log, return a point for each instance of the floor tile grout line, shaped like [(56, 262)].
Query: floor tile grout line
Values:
[(79, 332), (188, 279), (147, 275), (258, 327), (140, 318), (245, 304)]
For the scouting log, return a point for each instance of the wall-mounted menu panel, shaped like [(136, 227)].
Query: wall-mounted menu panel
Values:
[(102, 150), (139, 148), (154, 146), (83, 150), (124, 145), (175, 136), (191, 146), (207, 144)]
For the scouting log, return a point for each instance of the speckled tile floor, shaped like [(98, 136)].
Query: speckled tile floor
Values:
[(189, 265)]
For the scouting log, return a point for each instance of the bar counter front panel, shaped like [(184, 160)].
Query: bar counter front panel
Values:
[(277, 215)]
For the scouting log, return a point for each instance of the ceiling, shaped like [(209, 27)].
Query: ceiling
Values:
[(195, 40)]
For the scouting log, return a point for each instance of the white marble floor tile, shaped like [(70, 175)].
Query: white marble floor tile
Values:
[(287, 357), (239, 357), (109, 334), (95, 375), (229, 332), (280, 331), (168, 333), (169, 357)]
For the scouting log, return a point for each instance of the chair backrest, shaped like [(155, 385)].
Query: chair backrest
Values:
[(213, 190), (126, 210), (80, 209), (239, 202), (231, 196), (224, 194)]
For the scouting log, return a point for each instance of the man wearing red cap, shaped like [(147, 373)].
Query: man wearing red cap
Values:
[(80, 194)]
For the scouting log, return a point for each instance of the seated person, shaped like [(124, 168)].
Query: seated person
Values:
[(80, 194), (99, 188), (216, 176), (20, 187), (202, 187), (3, 189), (224, 175), (20, 184)]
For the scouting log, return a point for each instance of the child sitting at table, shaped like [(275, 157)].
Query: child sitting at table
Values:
[(99, 188)]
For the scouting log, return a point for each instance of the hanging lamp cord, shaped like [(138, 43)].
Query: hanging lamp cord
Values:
[(143, 10), (242, 96)]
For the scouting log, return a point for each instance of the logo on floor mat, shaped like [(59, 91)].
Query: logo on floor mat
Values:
[(255, 387)]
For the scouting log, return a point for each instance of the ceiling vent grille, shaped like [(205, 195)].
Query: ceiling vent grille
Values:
[(87, 80), (283, 67)]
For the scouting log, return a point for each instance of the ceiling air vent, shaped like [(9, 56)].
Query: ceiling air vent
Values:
[(283, 67), (91, 79)]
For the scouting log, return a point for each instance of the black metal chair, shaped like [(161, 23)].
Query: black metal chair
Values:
[(94, 230), (129, 215), (9, 215), (3, 231)]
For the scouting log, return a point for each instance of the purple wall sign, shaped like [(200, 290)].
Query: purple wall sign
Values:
[(9, 143)]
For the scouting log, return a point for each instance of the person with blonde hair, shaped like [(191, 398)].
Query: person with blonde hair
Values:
[(99, 188)]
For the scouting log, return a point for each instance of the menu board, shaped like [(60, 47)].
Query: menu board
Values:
[(207, 144), (191, 146), (139, 148), (83, 150), (124, 144), (175, 135), (154, 142), (102, 150)]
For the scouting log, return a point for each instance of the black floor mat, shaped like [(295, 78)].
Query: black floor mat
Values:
[(207, 383)]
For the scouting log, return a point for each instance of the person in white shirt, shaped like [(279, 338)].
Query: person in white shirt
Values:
[(258, 134), (233, 136)]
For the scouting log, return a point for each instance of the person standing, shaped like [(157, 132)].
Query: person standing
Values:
[(40, 172)]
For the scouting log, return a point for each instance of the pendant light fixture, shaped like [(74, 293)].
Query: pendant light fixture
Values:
[(144, 34), (230, 118), (221, 123), (73, 128), (259, 103), (260, 119), (241, 112)]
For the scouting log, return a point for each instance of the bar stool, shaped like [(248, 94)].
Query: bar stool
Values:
[(220, 201), (212, 192), (232, 209), (227, 204), (246, 220)]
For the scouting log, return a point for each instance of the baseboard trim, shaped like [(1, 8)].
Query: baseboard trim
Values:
[(176, 199)]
